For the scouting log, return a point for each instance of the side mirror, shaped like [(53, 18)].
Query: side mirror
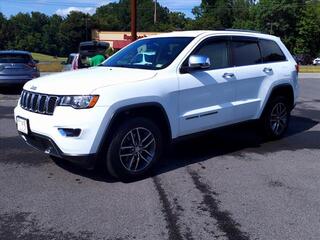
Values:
[(199, 62), (36, 61)]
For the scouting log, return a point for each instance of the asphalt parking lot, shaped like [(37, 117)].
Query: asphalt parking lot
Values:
[(226, 185)]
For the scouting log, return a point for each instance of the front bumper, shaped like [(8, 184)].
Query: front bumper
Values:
[(88, 120), (48, 146)]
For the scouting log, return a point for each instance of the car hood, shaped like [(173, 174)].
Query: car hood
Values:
[(84, 81)]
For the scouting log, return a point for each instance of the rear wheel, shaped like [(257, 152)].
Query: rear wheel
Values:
[(135, 147), (275, 119)]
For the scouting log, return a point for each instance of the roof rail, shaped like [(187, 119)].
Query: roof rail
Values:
[(241, 30)]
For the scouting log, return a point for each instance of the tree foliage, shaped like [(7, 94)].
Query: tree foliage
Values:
[(295, 21), (279, 18), (308, 27)]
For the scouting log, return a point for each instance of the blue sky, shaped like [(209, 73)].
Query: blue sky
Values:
[(62, 7)]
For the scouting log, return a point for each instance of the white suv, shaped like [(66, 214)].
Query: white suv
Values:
[(316, 61), (124, 111)]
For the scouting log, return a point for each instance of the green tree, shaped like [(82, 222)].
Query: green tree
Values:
[(243, 14), (20, 28), (178, 21), (113, 16), (308, 37), (213, 14), (280, 18), (50, 37), (3, 32), (116, 17), (74, 29)]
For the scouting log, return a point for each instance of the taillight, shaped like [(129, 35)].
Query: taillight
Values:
[(297, 68)]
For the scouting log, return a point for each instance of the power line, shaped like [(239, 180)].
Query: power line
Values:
[(83, 5), (54, 3)]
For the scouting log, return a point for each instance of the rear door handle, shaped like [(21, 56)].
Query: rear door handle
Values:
[(228, 75), (267, 70)]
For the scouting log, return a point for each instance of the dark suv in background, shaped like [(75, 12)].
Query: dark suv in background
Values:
[(17, 67), (90, 49)]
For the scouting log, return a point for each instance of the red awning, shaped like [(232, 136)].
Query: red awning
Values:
[(118, 44)]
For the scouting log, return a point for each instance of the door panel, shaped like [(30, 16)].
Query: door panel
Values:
[(206, 96), (246, 57), (248, 84), (205, 100)]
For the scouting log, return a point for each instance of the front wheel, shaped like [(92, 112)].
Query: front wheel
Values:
[(275, 119), (135, 147)]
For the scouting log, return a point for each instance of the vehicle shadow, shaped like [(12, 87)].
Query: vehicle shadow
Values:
[(236, 141), (239, 141), (98, 174)]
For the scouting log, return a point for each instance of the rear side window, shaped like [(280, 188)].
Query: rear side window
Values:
[(245, 53), (217, 51), (14, 58), (271, 52)]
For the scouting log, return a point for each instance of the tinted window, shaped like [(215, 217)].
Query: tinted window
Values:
[(14, 58), (149, 53), (246, 53), (271, 52), (217, 51)]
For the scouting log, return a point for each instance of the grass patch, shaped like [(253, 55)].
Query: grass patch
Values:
[(50, 67), (48, 63), (310, 69), (47, 58)]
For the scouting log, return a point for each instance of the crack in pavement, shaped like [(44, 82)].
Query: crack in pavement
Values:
[(224, 219), (171, 218)]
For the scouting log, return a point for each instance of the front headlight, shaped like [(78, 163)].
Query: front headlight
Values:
[(79, 102)]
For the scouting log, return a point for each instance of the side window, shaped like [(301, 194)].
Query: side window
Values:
[(245, 53), (271, 52), (217, 51)]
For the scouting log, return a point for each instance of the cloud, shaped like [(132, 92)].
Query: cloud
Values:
[(65, 11), (176, 5), (88, 9), (89, 6)]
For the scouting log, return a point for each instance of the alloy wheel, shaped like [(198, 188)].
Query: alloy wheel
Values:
[(279, 118), (137, 149)]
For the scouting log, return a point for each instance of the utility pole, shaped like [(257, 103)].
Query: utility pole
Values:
[(133, 20), (155, 12), (86, 20)]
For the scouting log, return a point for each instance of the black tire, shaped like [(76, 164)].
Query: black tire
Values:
[(274, 127), (138, 163)]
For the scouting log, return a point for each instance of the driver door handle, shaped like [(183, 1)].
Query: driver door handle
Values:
[(267, 70), (228, 75)]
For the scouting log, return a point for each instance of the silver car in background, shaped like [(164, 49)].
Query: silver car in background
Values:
[(67, 65), (17, 67)]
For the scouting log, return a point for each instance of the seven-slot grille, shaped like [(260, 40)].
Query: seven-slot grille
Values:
[(38, 103)]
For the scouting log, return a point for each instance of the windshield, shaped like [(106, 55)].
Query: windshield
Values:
[(14, 58), (153, 53)]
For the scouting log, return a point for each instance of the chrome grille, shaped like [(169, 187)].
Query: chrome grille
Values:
[(38, 103)]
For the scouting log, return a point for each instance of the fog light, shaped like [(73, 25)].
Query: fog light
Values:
[(69, 132)]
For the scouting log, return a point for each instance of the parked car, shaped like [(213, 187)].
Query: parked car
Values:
[(17, 67), (122, 114), (67, 65), (316, 61)]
